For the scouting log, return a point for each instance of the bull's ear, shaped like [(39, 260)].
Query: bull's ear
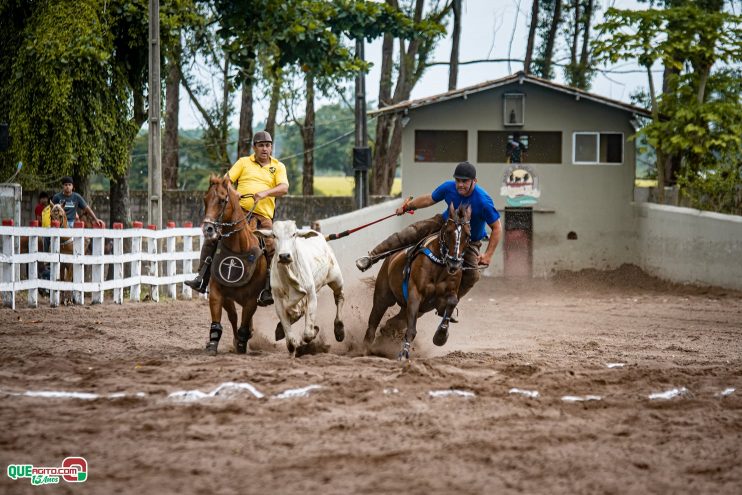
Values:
[(266, 234), (307, 233)]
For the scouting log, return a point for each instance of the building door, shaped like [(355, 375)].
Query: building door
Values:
[(518, 244)]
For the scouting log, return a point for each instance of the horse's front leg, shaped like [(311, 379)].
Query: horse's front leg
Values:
[(413, 306), (441, 334), (215, 332), (243, 334)]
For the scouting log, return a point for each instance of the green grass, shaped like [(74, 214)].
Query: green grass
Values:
[(343, 186)]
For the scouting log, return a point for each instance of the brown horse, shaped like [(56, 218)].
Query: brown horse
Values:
[(58, 214), (226, 222), (424, 278)]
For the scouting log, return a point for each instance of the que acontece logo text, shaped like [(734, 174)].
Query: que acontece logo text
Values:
[(72, 470)]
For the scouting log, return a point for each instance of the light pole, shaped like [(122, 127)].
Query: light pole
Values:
[(361, 151), (154, 151)]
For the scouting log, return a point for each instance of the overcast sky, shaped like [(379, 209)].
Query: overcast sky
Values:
[(490, 29)]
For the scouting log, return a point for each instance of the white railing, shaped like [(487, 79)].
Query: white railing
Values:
[(146, 254)]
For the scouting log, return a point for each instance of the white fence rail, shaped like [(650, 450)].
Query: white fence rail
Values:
[(148, 260)]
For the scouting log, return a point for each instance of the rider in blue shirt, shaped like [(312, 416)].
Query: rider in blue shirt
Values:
[(464, 189)]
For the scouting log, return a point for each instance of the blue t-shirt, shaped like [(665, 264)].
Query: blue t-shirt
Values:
[(70, 203), (483, 211)]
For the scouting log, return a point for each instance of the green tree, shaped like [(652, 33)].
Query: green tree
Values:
[(75, 83), (690, 121)]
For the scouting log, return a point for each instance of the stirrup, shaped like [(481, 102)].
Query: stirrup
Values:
[(364, 263), (265, 298), (197, 284)]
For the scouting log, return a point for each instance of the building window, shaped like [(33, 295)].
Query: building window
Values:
[(440, 146), (514, 109), (598, 148), (540, 147)]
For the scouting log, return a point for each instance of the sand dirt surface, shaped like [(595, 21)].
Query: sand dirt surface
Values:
[(369, 424)]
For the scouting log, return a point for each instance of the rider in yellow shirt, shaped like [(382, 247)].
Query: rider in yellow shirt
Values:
[(263, 177)]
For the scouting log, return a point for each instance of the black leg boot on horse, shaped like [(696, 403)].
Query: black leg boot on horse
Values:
[(201, 282)]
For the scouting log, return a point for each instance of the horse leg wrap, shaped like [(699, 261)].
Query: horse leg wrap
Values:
[(405, 352), (243, 335), (214, 335)]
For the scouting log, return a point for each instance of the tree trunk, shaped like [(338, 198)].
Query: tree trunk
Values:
[(660, 156), (551, 39), (575, 36), (531, 37), (383, 122), (244, 140), (172, 111), (307, 136), (453, 68), (118, 192), (119, 201), (270, 123)]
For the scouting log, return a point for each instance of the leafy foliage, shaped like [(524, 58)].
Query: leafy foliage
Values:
[(699, 117)]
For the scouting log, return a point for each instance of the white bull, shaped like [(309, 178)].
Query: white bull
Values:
[(302, 264)]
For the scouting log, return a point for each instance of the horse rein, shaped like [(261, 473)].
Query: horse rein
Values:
[(218, 224)]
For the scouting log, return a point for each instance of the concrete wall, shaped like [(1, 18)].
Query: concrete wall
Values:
[(182, 206), (689, 246), (593, 201), (357, 244)]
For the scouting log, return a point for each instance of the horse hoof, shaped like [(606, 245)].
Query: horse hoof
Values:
[(339, 331), (403, 356), (240, 347), (440, 337), (280, 334), (211, 348)]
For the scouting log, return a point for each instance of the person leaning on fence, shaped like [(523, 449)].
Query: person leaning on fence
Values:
[(264, 178), (463, 189), (72, 202)]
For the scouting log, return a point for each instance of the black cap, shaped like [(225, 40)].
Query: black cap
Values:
[(262, 137), (465, 170), (67, 180)]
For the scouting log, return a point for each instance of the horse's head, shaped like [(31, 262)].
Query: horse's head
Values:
[(58, 214), (220, 202), (454, 237)]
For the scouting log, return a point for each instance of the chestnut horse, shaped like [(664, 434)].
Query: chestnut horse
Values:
[(423, 278), (226, 222)]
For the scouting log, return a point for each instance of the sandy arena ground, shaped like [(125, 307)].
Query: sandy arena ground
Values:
[(372, 426)]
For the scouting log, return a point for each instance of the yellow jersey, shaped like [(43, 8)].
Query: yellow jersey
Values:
[(46, 216), (251, 177)]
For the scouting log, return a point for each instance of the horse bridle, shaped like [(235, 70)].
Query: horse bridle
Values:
[(445, 256), (218, 224)]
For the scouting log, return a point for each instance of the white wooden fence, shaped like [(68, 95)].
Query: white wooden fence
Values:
[(155, 259)]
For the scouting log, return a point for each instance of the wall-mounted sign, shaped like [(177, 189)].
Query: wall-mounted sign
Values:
[(520, 186)]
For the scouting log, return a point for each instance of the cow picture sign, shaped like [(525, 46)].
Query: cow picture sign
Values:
[(520, 186)]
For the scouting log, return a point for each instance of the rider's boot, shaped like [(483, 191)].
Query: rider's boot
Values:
[(408, 236), (265, 298), (201, 282)]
